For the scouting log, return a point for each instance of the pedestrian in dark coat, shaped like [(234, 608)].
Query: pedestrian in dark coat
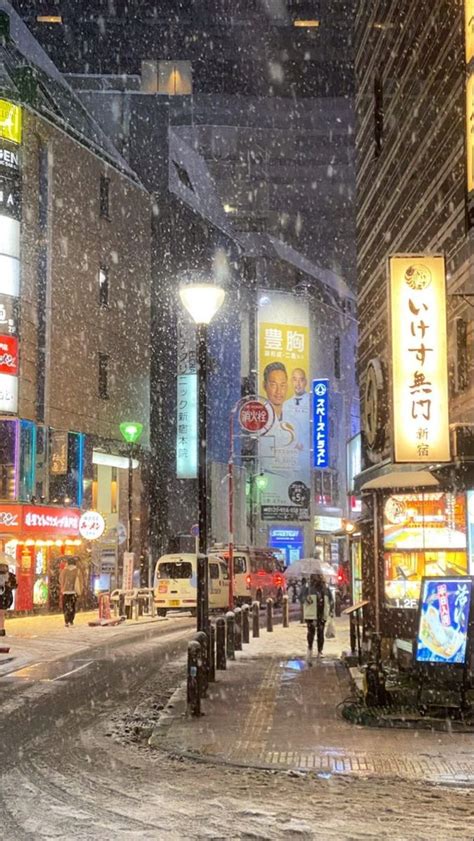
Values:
[(319, 603)]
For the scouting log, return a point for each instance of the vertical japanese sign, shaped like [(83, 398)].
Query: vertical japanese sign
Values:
[(469, 52), (419, 358), (320, 424), (284, 377), (187, 405), (10, 215)]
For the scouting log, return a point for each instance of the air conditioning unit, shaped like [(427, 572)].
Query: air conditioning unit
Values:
[(463, 441)]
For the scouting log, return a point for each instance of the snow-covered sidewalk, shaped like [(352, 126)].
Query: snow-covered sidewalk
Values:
[(269, 709)]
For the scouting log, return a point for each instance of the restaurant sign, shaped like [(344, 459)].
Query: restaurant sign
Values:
[(419, 358)]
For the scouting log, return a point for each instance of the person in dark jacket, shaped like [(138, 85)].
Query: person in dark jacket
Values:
[(8, 583), (318, 592), (70, 587)]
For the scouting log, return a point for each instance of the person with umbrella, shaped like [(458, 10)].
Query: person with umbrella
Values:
[(318, 605)]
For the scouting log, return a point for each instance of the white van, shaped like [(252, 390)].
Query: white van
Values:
[(175, 584), (258, 574)]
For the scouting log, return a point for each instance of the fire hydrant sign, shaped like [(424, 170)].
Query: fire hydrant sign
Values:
[(254, 416)]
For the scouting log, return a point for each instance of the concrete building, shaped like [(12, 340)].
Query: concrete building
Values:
[(414, 197), (75, 316)]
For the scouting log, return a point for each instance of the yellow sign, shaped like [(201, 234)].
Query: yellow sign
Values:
[(10, 121), (419, 358), (469, 29), (470, 131)]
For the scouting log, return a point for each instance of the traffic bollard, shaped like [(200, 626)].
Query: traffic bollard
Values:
[(269, 614), (286, 612), (230, 624), (238, 628), (135, 610), (201, 638), (194, 669), (122, 604), (220, 644), (212, 653), (245, 624), (256, 619)]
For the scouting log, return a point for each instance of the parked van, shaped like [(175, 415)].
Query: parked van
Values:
[(258, 574), (175, 583)]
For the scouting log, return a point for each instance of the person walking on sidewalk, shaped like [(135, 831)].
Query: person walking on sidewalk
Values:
[(8, 583), (70, 588), (319, 606)]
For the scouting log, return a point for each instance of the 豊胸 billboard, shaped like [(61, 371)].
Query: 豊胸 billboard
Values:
[(284, 382)]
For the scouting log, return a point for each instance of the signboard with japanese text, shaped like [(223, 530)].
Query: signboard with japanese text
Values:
[(8, 355), (10, 121), (9, 158), (10, 518), (320, 423), (128, 565), (8, 393), (255, 417), (470, 529), (187, 404), (58, 443), (470, 132), (469, 29), (8, 315), (284, 383), (443, 620), (91, 525), (419, 358)]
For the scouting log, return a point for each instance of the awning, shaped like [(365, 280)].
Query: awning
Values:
[(402, 480)]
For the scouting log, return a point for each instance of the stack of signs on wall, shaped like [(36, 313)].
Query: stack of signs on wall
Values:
[(10, 215), (284, 376)]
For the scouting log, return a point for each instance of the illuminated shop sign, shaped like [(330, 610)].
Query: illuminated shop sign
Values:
[(44, 519), (10, 121), (327, 523), (419, 359), (9, 158), (8, 393), (91, 525), (320, 423), (9, 518), (8, 355), (469, 29), (10, 198), (470, 529), (443, 620)]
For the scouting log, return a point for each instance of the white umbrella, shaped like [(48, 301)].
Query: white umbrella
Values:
[(309, 566)]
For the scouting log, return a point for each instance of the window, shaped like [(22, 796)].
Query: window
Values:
[(104, 287), (337, 358), (462, 358), (103, 376), (66, 467), (176, 570), (378, 115), (173, 78), (224, 573), (104, 197), (240, 565), (213, 571), (8, 436)]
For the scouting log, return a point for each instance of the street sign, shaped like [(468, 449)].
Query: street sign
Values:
[(254, 416)]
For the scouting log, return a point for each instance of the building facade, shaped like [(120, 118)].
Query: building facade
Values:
[(414, 147), (75, 316)]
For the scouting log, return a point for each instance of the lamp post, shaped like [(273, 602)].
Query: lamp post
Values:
[(131, 433), (202, 301)]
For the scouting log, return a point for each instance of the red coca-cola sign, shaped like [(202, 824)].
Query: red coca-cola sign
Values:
[(254, 416)]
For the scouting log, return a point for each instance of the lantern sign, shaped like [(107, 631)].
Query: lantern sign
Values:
[(91, 525), (419, 359), (255, 417)]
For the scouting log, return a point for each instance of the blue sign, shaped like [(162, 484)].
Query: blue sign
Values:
[(320, 423), (443, 620), (285, 536), (187, 427)]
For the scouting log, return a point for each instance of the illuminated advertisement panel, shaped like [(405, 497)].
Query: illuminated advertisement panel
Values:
[(443, 620), (470, 529), (10, 121), (284, 381), (419, 359), (424, 535), (8, 355), (8, 393)]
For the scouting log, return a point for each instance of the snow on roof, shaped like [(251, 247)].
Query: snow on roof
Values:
[(402, 480)]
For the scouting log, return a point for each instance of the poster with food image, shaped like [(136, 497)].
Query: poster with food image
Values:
[(443, 620), (431, 520)]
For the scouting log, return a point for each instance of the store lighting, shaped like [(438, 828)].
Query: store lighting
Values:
[(202, 301), (306, 24), (49, 19)]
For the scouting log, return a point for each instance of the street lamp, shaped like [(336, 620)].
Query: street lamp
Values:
[(202, 301), (131, 433)]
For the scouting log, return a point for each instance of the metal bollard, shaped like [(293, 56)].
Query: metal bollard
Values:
[(270, 615), (201, 638), (286, 612), (229, 617), (256, 619), (194, 668), (245, 624), (135, 609), (211, 653), (238, 629), (152, 605), (220, 644), (122, 604)]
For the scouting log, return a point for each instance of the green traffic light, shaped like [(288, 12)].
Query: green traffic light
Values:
[(131, 432)]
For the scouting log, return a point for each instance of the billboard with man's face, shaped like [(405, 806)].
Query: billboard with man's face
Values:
[(284, 381)]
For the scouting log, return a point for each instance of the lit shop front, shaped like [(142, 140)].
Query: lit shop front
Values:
[(424, 534), (37, 540)]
